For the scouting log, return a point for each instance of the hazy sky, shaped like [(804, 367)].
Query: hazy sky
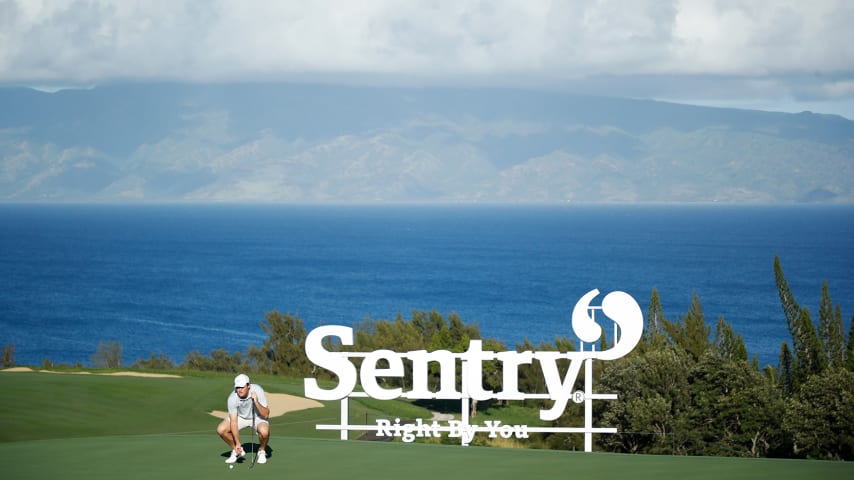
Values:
[(769, 54)]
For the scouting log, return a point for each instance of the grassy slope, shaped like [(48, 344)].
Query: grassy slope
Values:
[(88, 426)]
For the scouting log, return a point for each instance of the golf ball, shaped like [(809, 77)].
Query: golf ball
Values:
[(230, 466)]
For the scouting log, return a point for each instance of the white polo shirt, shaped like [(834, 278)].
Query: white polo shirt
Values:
[(242, 407)]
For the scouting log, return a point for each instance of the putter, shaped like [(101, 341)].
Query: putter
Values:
[(252, 447)]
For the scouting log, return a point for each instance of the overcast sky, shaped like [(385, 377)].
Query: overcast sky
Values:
[(769, 54)]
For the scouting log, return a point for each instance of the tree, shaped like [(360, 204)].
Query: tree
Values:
[(8, 355), (820, 416), (791, 309), (108, 355), (810, 358), (736, 412), (729, 345), (830, 330), (771, 375), (655, 320), (808, 355), (653, 395), (691, 332), (285, 345), (786, 379), (849, 347), (428, 323)]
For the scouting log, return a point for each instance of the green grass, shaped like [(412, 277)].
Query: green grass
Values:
[(91, 426)]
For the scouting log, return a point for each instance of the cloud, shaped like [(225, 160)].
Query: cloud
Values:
[(782, 44)]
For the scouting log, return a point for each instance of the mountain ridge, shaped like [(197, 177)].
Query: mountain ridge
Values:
[(322, 143)]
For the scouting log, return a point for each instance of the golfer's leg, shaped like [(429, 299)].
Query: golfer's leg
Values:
[(224, 431), (263, 434)]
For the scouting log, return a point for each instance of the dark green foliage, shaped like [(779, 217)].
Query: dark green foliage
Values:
[(771, 375), (654, 396), (830, 330), (786, 378), (285, 345), (791, 309), (849, 347), (426, 331), (671, 404), (654, 318), (810, 358), (735, 412), (654, 329), (821, 416), (690, 333), (402, 336), (729, 344)]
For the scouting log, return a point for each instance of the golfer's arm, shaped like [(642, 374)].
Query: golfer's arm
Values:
[(235, 432), (264, 411)]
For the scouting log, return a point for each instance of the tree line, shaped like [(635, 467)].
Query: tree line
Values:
[(688, 390)]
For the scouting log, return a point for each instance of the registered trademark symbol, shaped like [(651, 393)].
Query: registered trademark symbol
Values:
[(578, 396)]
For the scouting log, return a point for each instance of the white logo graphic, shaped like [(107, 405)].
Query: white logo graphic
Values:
[(619, 308)]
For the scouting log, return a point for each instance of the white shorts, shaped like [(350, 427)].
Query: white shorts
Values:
[(247, 422)]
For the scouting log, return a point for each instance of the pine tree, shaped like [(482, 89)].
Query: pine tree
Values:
[(830, 329), (653, 333), (691, 332), (771, 375), (809, 355), (729, 344), (696, 329), (786, 371), (810, 358), (285, 344), (654, 320), (849, 347), (791, 309), (839, 330)]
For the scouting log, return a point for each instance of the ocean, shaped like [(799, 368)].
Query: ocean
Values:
[(176, 278)]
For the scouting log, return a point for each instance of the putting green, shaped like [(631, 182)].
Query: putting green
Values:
[(165, 457)]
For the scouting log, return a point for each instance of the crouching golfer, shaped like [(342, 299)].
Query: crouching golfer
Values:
[(247, 407)]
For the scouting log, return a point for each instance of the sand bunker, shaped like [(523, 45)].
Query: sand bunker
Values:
[(280, 404), (121, 374), (142, 374)]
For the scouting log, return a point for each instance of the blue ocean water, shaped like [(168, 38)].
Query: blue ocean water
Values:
[(178, 278)]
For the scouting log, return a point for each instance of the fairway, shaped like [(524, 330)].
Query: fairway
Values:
[(179, 442)]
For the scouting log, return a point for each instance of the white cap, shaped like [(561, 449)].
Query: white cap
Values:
[(241, 381)]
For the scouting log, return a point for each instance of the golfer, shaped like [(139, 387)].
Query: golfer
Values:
[(245, 401)]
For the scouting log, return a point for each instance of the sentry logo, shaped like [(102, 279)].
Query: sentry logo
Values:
[(618, 307)]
